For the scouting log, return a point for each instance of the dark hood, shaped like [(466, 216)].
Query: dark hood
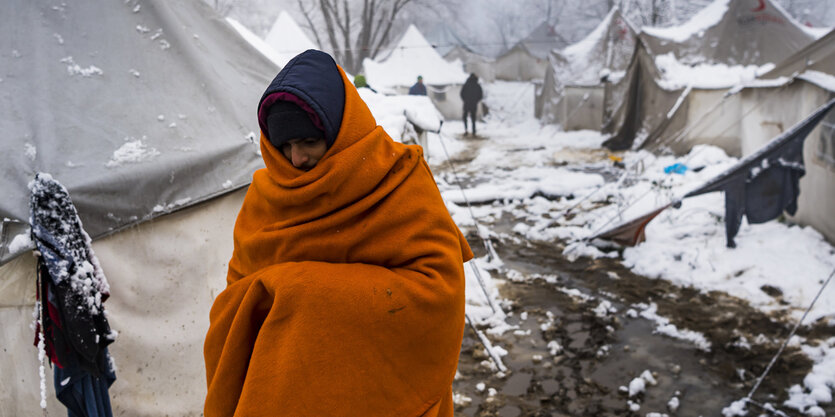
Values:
[(313, 77)]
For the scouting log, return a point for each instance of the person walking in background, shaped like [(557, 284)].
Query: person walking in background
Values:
[(471, 94), (418, 89)]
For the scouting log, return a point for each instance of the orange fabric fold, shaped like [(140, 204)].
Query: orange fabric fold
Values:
[(345, 291)]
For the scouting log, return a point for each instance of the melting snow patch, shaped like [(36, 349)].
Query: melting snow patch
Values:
[(131, 152), (75, 69), (20, 243), (666, 328), (737, 408), (134, 72), (30, 151), (818, 384), (461, 399)]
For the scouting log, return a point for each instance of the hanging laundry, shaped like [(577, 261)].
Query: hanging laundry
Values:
[(764, 184), (760, 186), (72, 291)]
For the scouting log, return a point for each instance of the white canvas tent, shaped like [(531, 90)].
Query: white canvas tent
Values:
[(795, 87), (679, 75), (474, 63), (413, 56), (145, 112), (287, 39), (572, 92), (528, 58)]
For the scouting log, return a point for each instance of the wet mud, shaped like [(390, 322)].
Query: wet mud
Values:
[(599, 354), (570, 357)]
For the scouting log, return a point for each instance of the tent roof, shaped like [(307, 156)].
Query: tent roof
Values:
[(732, 32), (287, 39), (542, 40), (413, 56), (609, 46), (817, 56), (137, 109), (257, 43)]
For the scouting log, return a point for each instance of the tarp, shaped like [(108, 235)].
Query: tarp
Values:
[(287, 39), (413, 55), (528, 58), (764, 184), (607, 49), (138, 108), (643, 109), (636, 107), (760, 186), (817, 56), (733, 32)]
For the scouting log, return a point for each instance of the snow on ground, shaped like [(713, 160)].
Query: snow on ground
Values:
[(522, 169), (537, 173)]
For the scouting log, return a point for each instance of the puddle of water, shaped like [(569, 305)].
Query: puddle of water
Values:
[(510, 411), (517, 384)]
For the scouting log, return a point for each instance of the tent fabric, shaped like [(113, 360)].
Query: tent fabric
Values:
[(765, 183), (412, 56), (636, 106), (151, 102), (164, 275), (287, 39), (760, 187), (640, 111), (607, 49), (630, 233), (732, 32), (817, 56), (346, 281), (528, 58), (474, 63)]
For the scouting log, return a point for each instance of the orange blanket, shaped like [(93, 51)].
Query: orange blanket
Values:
[(345, 291)]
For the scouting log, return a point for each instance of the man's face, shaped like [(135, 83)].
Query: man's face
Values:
[(304, 153)]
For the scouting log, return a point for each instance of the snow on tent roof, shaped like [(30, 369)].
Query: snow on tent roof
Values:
[(608, 46), (732, 32), (258, 43), (138, 109), (287, 39), (818, 56), (542, 40), (413, 56)]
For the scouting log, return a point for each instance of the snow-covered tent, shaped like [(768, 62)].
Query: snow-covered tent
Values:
[(780, 99), (287, 39), (474, 63), (413, 56), (674, 92), (449, 45), (145, 112), (528, 59), (572, 92)]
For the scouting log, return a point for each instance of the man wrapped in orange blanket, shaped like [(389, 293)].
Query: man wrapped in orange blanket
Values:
[(345, 291)]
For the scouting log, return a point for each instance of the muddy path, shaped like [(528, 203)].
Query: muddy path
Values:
[(601, 349), (582, 338), (600, 353)]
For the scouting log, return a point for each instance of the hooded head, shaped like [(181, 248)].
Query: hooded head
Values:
[(305, 100)]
